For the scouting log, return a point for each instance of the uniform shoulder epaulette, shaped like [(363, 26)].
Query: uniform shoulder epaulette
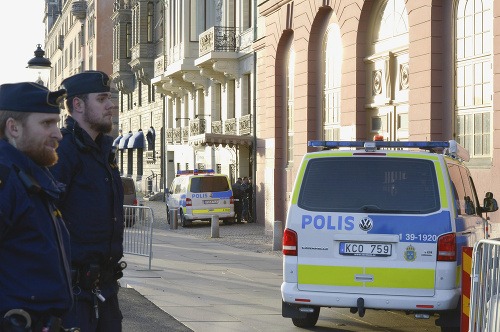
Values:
[(4, 174)]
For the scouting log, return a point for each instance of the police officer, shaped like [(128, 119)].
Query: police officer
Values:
[(35, 281), (238, 199), (93, 202)]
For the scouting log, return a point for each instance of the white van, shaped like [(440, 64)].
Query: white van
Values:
[(380, 225), (200, 194)]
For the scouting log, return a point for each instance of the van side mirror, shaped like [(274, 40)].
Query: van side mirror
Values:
[(489, 203)]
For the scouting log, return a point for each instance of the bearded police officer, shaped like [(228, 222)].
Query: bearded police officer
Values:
[(93, 202), (35, 281)]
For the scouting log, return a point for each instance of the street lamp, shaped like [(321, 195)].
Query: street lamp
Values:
[(39, 62)]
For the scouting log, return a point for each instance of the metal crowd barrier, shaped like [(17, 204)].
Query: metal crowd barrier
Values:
[(138, 235), (484, 315)]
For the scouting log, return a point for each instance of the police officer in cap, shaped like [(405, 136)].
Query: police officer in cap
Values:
[(35, 280), (92, 205)]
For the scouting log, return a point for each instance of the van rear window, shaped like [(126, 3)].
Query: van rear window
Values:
[(209, 184), (371, 185)]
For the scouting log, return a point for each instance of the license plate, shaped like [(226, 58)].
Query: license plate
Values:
[(365, 249), (210, 201)]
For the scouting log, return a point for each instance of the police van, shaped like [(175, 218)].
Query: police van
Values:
[(200, 194), (380, 225)]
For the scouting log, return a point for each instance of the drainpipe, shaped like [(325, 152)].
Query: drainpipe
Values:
[(164, 158), (254, 117)]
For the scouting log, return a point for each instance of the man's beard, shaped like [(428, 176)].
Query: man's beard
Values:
[(95, 124), (38, 152)]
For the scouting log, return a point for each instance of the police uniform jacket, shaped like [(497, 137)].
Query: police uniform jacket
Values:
[(92, 205), (34, 242)]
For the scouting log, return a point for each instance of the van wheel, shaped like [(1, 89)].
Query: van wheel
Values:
[(184, 222), (310, 320)]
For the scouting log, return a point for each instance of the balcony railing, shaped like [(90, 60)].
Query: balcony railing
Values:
[(170, 135), (177, 135), (236, 126), (217, 127), (245, 123), (218, 39), (197, 127), (230, 126)]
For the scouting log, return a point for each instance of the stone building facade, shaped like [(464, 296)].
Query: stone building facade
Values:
[(185, 72), (351, 69), (240, 86), (78, 38)]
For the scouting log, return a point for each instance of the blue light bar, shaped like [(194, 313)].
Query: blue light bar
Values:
[(380, 144), (196, 171)]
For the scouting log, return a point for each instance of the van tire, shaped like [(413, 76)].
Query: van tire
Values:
[(310, 320), (184, 222)]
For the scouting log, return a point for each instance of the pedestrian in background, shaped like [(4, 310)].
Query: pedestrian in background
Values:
[(93, 203), (248, 193), (35, 281), (238, 199)]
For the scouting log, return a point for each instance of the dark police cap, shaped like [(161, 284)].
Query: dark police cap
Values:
[(90, 81), (29, 97)]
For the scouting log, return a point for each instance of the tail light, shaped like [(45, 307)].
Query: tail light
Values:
[(135, 202), (447, 248), (231, 200), (189, 202), (289, 242)]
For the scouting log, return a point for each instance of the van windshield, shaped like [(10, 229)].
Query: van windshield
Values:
[(371, 185), (209, 184)]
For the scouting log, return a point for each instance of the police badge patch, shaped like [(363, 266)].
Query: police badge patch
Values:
[(410, 253)]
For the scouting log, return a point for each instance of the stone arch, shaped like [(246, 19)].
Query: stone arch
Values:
[(282, 52)]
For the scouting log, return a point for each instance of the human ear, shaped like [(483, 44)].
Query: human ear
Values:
[(12, 128)]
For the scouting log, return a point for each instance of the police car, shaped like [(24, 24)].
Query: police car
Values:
[(380, 225), (199, 195)]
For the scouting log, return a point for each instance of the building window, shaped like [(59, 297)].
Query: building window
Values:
[(217, 102), (140, 162), (474, 86), (247, 14), (128, 40), (332, 83), (201, 101), (150, 23), (246, 95), (290, 72), (139, 93), (197, 18), (231, 99)]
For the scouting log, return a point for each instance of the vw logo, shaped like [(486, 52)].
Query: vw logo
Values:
[(366, 224)]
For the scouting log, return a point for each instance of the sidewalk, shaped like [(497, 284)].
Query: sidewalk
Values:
[(232, 283), (207, 284)]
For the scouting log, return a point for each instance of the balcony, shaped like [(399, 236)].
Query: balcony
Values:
[(217, 39), (160, 65), (142, 62), (79, 9), (231, 131), (123, 76), (121, 4), (235, 131)]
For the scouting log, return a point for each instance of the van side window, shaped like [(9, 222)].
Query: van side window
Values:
[(466, 196)]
